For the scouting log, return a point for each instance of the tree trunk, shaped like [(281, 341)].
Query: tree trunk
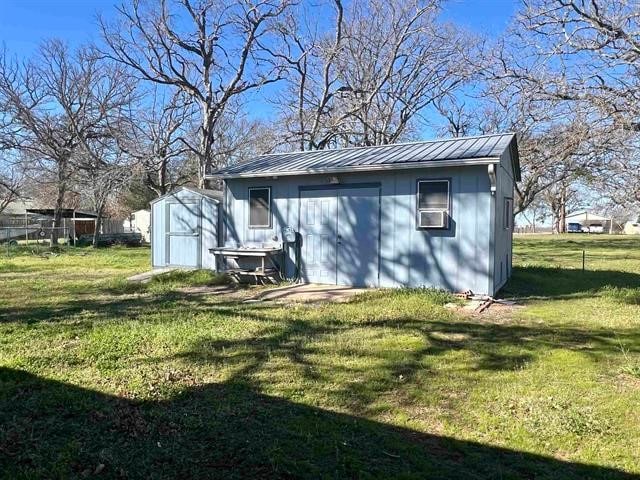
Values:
[(562, 213), (162, 177), (57, 215), (96, 232)]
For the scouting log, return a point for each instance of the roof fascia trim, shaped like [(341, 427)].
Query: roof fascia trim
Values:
[(365, 168)]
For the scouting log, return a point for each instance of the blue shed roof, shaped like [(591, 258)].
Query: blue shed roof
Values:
[(483, 149)]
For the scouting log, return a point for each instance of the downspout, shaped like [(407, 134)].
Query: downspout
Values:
[(491, 170), (222, 225)]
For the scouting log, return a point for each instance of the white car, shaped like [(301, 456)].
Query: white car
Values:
[(595, 228)]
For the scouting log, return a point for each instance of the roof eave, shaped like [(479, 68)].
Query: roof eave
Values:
[(180, 189), (515, 158), (363, 168)]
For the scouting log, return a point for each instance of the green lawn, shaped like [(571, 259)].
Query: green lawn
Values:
[(99, 378)]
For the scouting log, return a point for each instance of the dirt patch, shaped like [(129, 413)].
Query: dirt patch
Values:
[(625, 381), (498, 310), (308, 293), (208, 290), (145, 277)]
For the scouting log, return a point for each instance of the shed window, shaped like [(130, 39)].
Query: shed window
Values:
[(508, 213), (433, 203), (260, 207)]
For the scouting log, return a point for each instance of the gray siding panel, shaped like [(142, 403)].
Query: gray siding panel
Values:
[(503, 238), (209, 232), (456, 259)]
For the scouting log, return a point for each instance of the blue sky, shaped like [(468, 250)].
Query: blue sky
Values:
[(25, 23)]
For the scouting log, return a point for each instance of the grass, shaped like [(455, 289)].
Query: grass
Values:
[(98, 378)]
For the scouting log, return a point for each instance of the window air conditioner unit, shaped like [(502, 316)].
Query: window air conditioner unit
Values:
[(433, 219)]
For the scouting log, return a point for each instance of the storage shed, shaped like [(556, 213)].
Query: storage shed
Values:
[(435, 213), (184, 226)]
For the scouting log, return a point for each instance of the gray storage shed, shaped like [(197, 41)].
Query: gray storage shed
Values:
[(184, 226), (435, 213)]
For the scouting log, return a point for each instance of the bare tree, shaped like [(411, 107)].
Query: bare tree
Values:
[(617, 181), (155, 135), (208, 49), (584, 51), (11, 181), (579, 59), (238, 138), (103, 172), (367, 82), (56, 103), (561, 198)]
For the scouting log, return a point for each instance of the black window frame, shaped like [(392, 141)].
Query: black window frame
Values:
[(447, 210), (257, 227)]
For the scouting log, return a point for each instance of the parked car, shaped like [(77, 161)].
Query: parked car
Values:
[(596, 228), (574, 228)]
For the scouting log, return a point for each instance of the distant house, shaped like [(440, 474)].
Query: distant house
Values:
[(139, 221), (435, 213), (632, 228), (14, 213)]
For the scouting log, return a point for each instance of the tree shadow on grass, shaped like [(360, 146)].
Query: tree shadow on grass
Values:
[(50, 429), (109, 306), (559, 283), (362, 371)]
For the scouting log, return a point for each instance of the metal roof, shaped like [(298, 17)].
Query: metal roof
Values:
[(214, 194), (586, 216), (483, 149)]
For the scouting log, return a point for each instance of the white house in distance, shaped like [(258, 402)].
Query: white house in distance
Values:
[(632, 228), (139, 221)]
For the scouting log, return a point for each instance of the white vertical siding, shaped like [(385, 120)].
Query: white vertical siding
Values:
[(158, 229)]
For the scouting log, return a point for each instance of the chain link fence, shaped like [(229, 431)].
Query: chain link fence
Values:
[(34, 239)]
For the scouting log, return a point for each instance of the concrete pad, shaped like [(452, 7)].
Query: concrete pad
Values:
[(308, 292), (145, 277)]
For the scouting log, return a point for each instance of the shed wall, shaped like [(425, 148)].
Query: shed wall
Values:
[(158, 232), (455, 259), (503, 234)]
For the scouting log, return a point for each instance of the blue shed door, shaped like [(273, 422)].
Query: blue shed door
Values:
[(318, 228), (340, 231), (183, 234), (358, 237)]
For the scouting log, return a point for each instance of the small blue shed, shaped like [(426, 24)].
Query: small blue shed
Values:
[(435, 213), (184, 226)]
